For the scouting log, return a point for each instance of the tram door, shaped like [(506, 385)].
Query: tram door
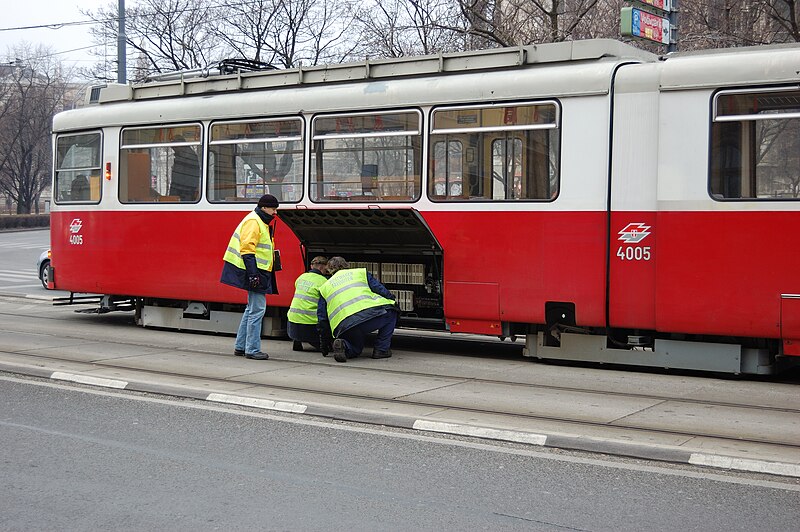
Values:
[(499, 165)]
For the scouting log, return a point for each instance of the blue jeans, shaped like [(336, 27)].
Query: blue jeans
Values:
[(248, 339), (355, 336)]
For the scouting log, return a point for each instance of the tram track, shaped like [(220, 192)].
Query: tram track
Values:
[(90, 334)]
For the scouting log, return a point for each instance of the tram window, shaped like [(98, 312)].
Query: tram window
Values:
[(248, 159), (507, 168), (499, 152), (78, 168), (755, 145), (367, 157), (448, 168), (160, 164)]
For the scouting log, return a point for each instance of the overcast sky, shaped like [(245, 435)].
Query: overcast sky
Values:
[(70, 42)]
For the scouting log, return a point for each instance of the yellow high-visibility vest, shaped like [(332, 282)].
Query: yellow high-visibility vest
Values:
[(303, 309), (348, 292), (263, 248)]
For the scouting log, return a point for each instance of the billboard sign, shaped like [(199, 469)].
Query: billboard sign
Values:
[(637, 23)]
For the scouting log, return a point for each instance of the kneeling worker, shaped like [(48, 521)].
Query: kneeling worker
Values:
[(354, 304), (302, 313)]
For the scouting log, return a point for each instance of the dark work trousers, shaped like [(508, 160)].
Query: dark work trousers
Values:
[(384, 324), (304, 332)]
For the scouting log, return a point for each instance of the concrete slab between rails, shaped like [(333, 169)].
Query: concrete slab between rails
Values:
[(619, 441)]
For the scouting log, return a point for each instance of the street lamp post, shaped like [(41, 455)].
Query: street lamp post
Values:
[(121, 66)]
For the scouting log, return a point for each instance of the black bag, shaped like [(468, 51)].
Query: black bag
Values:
[(276, 261)]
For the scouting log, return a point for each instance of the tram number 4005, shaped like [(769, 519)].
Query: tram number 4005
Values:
[(634, 252)]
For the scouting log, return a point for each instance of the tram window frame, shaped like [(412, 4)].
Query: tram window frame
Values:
[(373, 176), (84, 177), (248, 192), (479, 139), (161, 187), (744, 129)]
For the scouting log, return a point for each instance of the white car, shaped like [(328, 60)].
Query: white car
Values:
[(42, 266)]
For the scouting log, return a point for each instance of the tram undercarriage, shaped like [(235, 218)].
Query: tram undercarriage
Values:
[(555, 341), (659, 353)]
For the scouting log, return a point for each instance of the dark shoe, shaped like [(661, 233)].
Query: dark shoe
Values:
[(297, 346), (238, 352), (377, 353), (339, 354), (257, 356)]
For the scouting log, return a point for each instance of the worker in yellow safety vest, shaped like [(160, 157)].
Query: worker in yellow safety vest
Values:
[(353, 304), (302, 315), (248, 264)]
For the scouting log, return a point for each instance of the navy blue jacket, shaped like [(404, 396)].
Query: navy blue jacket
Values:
[(360, 316)]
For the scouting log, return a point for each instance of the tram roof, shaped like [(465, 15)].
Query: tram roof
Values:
[(194, 83), (750, 65)]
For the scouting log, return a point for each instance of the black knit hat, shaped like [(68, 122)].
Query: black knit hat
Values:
[(268, 200)]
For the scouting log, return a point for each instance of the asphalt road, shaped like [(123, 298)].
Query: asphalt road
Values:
[(86, 459), (19, 251)]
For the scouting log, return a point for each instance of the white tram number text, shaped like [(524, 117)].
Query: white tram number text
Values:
[(634, 252), (76, 239)]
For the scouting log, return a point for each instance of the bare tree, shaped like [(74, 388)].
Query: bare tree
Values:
[(286, 33), (517, 22), (316, 32), (307, 32), (247, 29), (167, 35), (34, 89), (785, 16), (723, 24), (170, 35), (397, 28)]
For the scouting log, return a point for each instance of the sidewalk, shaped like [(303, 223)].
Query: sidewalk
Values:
[(650, 416)]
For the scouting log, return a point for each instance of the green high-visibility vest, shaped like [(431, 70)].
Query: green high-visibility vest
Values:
[(303, 309), (348, 292), (263, 248)]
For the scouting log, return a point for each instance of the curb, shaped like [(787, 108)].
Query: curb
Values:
[(555, 441), (22, 229)]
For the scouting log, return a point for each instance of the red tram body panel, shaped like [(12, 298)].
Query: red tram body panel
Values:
[(556, 257), (726, 290), (114, 256)]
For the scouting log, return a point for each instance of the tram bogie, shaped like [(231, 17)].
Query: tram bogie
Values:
[(661, 353)]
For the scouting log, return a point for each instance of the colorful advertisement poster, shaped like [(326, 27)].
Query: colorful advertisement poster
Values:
[(637, 23)]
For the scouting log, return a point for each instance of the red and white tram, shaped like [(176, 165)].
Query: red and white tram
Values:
[(608, 204)]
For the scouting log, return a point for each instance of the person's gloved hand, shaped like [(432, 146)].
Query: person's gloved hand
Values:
[(324, 346), (325, 338), (254, 280)]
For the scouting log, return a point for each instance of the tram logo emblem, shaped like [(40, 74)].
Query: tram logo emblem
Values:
[(634, 233), (75, 226)]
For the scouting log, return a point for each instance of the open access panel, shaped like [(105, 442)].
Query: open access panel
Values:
[(395, 245)]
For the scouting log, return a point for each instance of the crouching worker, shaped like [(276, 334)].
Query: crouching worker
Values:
[(302, 313), (354, 304)]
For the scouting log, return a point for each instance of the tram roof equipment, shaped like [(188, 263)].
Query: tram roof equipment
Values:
[(205, 81)]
